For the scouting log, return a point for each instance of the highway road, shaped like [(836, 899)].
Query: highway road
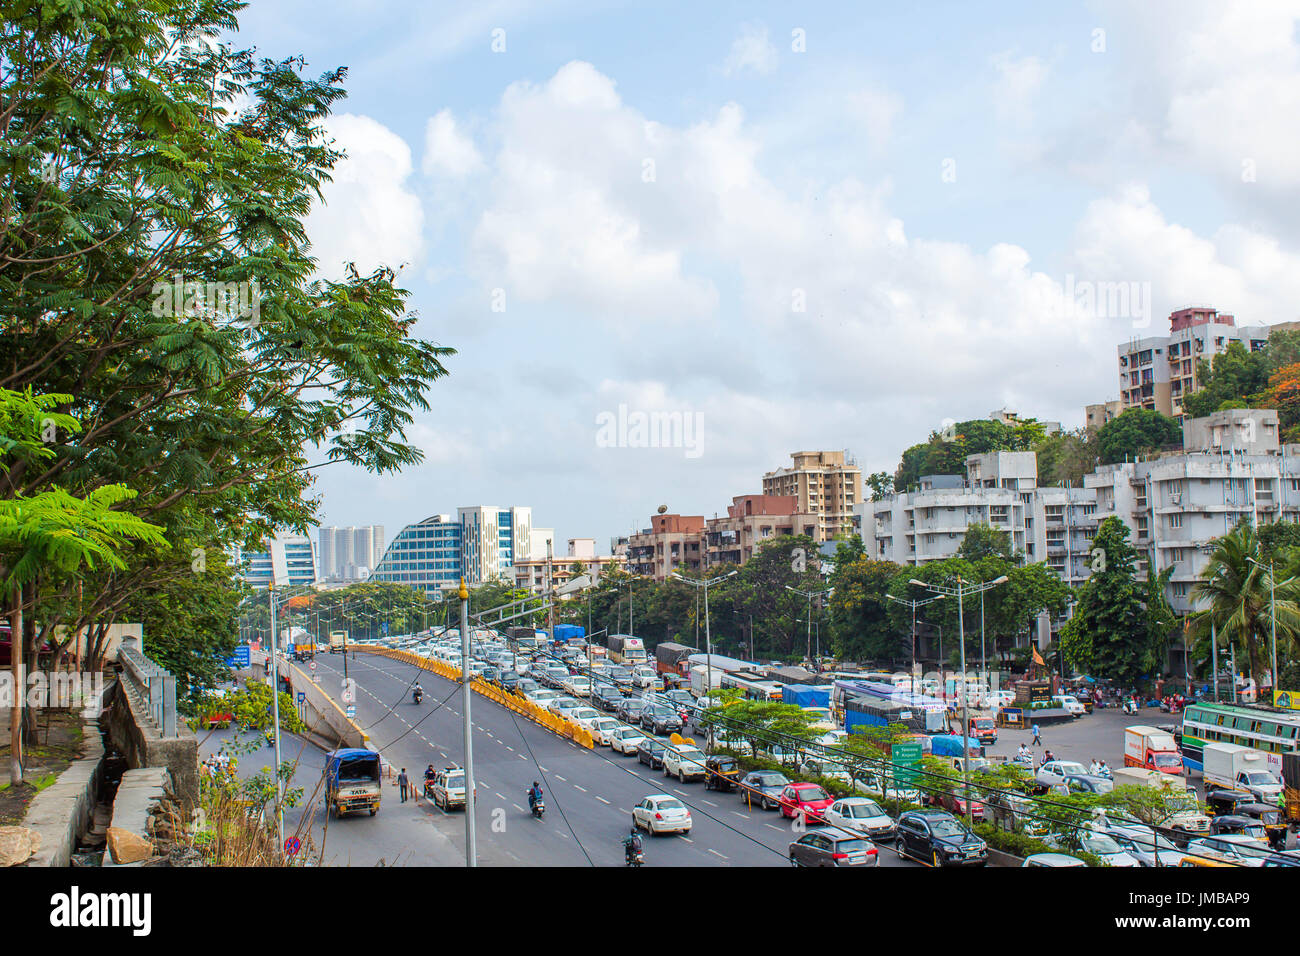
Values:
[(589, 793)]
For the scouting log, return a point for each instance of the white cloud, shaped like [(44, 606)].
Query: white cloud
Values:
[(752, 50), (448, 151), (1018, 81), (369, 215)]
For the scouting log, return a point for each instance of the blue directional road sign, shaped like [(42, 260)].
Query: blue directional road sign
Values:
[(240, 658), (351, 711)]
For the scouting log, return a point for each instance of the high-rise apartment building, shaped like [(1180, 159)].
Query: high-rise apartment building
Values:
[(349, 554), (1157, 371), (671, 541), (825, 483)]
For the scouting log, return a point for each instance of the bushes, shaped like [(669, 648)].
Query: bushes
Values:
[(1018, 844)]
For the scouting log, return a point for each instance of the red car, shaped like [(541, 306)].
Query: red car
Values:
[(806, 798), (955, 804)]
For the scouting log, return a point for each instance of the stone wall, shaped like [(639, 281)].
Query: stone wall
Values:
[(131, 728), (61, 812)]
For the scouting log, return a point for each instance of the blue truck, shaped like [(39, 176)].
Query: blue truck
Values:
[(352, 781)]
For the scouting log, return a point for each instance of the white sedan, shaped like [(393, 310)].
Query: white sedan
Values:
[(660, 813), (861, 815), (626, 739), (602, 730)]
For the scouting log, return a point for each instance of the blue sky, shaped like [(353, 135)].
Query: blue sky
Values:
[(833, 247)]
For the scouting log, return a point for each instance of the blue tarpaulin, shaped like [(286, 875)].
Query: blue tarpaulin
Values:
[(949, 745), (805, 695)]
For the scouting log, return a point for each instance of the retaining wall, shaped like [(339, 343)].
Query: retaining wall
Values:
[(61, 812)]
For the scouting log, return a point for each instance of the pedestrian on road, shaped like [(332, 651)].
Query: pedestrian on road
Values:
[(402, 783), (1038, 737)]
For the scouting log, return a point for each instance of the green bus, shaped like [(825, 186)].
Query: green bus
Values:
[(1266, 729)]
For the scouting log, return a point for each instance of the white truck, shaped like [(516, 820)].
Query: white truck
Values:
[(1152, 749), (700, 677), (1188, 817), (1244, 769)]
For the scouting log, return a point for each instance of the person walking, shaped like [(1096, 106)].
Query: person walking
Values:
[(1038, 736), (403, 783)]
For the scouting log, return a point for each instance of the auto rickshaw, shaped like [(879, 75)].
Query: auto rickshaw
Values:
[(1270, 818), (1226, 802), (1238, 823), (722, 772)]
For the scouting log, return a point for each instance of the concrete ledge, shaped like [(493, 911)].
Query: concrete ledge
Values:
[(998, 858), (61, 813), (137, 794), (132, 730)]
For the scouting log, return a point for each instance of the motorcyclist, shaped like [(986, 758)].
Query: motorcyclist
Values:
[(631, 844), (534, 794), (417, 692), (1024, 753)]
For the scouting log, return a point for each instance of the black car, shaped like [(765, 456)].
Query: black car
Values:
[(629, 710), (938, 838), (651, 753), (763, 788), (607, 699), (660, 720), (508, 680)]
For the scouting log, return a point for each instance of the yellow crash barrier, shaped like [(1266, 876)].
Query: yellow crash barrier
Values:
[(565, 728)]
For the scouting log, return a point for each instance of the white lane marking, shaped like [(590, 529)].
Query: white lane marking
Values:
[(522, 757), (716, 853), (511, 749), (518, 807), (741, 815), (544, 769), (710, 803), (558, 777), (500, 796), (688, 839), (772, 827), (576, 787), (603, 800), (680, 793)]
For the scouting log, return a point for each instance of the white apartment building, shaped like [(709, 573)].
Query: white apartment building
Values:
[(1232, 467), (825, 483), (1157, 371), (349, 554)]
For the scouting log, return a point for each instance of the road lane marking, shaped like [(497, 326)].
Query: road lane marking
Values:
[(710, 803), (518, 807), (716, 853), (576, 787), (603, 800), (741, 815), (558, 777), (773, 827), (688, 839)]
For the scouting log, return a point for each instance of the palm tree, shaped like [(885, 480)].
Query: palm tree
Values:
[(1237, 591)]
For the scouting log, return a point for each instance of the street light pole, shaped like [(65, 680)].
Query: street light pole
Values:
[(809, 595), (471, 850), (275, 709), (708, 634), (960, 592), (914, 605), (1272, 613)]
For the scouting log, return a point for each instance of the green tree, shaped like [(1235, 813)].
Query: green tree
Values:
[(1235, 584), (881, 484), (985, 541), (1135, 432), (1114, 631), (1234, 378), (860, 624)]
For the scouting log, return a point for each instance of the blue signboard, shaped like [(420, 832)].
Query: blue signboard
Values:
[(240, 658), (384, 628), (302, 695)]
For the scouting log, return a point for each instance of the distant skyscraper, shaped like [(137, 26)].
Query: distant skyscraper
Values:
[(289, 562), (482, 543), (345, 552)]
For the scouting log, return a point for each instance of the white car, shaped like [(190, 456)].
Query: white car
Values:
[(860, 815), (542, 697), (1070, 703), (684, 762), (1052, 859), (578, 685), (564, 706), (830, 769), (1055, 771), (644, 677), (602, 729), (998, 699), (660, 813), (586, 716), (1235, 848), (1098, 844), (626, 739)]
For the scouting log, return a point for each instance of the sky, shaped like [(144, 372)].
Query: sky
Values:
[(837, 227)]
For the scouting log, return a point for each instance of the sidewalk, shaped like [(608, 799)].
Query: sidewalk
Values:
[(42, 762)]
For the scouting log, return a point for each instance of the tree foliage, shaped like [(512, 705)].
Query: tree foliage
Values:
[(1137, 431)]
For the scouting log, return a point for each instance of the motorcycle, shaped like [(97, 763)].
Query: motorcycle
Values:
[(634, 857), (428, 788), (538, 807), (417, 695)]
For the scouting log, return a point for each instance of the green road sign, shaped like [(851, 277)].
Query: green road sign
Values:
[(906, 756)]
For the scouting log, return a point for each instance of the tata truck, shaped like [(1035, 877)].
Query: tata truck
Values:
[(1152, 749), (352, 781), (669, 657), (625, 649), (1244, 769), (338, 641)]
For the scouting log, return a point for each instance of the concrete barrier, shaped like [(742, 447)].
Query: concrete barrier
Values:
[(137, 795), (332, 726), (61, 812)]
